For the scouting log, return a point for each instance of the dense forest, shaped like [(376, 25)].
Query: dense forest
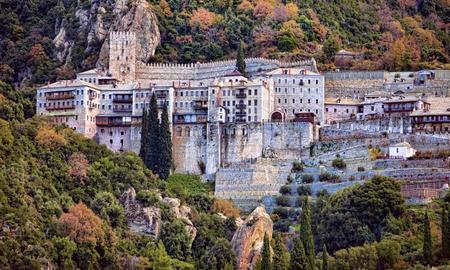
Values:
[(60, 193), (386, 34), (60, 208)]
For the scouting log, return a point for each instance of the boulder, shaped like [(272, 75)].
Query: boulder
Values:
[(182, 212), (248, 239), (145, 220)]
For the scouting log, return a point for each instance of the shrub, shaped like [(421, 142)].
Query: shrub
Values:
[(281, 225), (307, 178), (225, 207), (297, 167), (282, 212), (290, 179), (285, 190), (300, 201), (148, 197), (339, 163), (304, 191), (327, 177), (283, 201), (50, 138), (322, 193), (361, 169), (352, 178)]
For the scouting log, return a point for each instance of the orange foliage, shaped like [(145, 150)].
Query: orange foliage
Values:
[(263, 9), (48, 137), (292, 27), (165, 8), (292, 10), (245, 5), (225, 207), (82, 225), (78, 165), (203, 18)]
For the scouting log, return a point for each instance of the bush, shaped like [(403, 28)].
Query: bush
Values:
[(307, 178), (283, 201), (285, 190), (304, 191), (281, 225), (361, 169), (297, 167), (339, 163), (282, 212), (148, 197), (225, 207), (184, 184), (327, 177)]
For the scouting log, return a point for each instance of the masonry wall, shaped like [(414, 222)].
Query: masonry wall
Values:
[(189, 147)]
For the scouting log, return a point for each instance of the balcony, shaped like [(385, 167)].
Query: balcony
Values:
[(126, 110), (92, 95), (398, 109), (200, 105), (61, 107), (161, 95), (241, 95), (127, 99), (111, 122), (60, 96), (241, 114), (241, 106), (240, 120)]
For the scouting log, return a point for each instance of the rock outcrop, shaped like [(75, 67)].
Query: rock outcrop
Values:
[(248, 239), (145, 220), (182, 212), (103, 16)]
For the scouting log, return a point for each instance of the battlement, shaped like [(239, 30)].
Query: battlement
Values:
[(119, 35)]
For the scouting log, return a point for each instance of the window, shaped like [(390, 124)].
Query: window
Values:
[(255, 102), (293, 101), (256, 92)]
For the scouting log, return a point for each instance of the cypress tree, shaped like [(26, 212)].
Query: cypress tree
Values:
[(324, 258), (266, 263), (445, 232), (306, 232), (280, 259), (165, 144), (299, 261), (152, 151), (240, 61), (144, 136), (427, 242)]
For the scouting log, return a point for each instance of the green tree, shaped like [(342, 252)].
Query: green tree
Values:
[(330, 48), (219, 257), (165, 144), (280, 259), (144, 136), (240, 61), (106, 205), (324, 258), (445, 232), (266, 263), (63, 252), (306, 232), (427, 249), (153, 147), (299, 260), (176, 240)]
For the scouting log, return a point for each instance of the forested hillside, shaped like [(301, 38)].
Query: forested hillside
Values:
[(394, 35)]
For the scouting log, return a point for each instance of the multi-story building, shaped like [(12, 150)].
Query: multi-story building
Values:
[(340, 109), (201, 98), (434, 118)]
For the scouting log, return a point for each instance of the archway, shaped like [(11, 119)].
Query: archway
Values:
[(277, 117)]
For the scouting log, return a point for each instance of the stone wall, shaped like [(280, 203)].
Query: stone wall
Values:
[(421, 163), (189, 147), (382, 124)]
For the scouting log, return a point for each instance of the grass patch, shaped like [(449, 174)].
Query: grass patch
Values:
[(188, 184)]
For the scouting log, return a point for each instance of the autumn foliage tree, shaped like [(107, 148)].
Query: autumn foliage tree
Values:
[(82, 225), (203, 18), (49, 138), (78, 166)]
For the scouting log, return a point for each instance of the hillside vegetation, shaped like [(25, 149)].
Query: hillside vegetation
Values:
[(393, 35)]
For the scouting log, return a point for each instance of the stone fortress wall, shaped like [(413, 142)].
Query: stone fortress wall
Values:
[(197, 71), (355, 84)]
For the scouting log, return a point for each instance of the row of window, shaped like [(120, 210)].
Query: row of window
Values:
[(301, 81), (294, 90), (293, 101), (233, 102), (78, 92), (192, 93)]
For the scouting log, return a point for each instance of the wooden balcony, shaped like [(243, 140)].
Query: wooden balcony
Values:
[(111, 122), (241, 114), (61, 107), (241, 95), (241, 106), (60, 96), (126, 110), (200, 105), (161, 94)]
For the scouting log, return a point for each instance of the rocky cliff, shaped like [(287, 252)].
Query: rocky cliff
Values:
[(147, 220), (98, 18), (248, 239)]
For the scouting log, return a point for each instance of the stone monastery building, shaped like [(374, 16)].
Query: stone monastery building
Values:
[(219, 116)]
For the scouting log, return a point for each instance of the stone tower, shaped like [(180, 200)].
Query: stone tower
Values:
[(122, 56)]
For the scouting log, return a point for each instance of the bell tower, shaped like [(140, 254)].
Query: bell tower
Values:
[(122, 56)]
